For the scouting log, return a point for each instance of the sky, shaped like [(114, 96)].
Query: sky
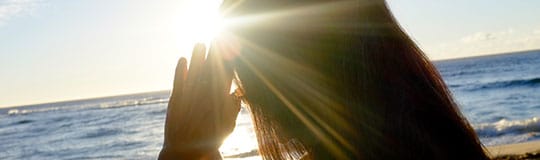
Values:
[(56, 50)]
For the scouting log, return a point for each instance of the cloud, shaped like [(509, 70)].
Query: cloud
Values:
[(13, 8), (483, 43), (486, 36), (480, 36)]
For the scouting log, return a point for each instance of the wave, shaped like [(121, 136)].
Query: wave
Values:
[(128, 103), (461, 73), (24, 121), (102, 105), (504, 127), (498, 84), (27, 111), (101, 132)]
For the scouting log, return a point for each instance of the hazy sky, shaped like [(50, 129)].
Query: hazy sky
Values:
[(53, 50)]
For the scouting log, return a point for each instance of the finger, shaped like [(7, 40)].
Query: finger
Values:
[(231, 109), (237, 99), (218, 70), (179, 78), (196, 64), (172, 108)]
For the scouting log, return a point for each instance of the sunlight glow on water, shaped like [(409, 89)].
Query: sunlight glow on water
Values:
[(243, 138)]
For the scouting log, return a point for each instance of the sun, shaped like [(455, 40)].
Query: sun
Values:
[(203, 21)]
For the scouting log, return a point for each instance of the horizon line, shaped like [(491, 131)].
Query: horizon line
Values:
[(487, 55), (168, 90)]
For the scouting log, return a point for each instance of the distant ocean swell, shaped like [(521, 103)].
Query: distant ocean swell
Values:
[(529, 82), (532, 124), (124, 103), (484, 130)]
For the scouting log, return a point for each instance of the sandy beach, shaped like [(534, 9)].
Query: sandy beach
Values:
[(517, 151), (527, 150)]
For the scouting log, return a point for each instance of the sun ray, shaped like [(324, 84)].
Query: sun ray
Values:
[(322, 130), (305, 113), (320, 8)]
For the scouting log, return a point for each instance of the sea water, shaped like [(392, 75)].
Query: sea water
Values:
[(499, 95)]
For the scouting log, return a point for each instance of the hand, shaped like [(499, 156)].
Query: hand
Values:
[(201, 112)]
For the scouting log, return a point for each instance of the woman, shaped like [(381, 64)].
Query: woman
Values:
[(337, 80)]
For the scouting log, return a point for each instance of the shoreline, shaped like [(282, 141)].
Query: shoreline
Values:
[(515, 151), (525, 150)]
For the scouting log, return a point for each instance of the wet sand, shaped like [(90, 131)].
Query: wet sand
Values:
[(518, 151)]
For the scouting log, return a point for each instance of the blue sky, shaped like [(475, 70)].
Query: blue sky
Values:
[(463, 28), (53, 50)]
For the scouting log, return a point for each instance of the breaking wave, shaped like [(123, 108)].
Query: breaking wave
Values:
[(505, 127)]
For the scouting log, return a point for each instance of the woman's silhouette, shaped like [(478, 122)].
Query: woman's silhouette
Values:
[(324, 80)]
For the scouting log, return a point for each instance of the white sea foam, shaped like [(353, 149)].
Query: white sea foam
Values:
[(27, 111), (503, 127), (128, 103)]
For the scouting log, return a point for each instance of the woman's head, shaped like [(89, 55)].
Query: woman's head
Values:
[(340, 79)]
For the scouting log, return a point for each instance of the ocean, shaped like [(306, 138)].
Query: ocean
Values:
[(499, 95)]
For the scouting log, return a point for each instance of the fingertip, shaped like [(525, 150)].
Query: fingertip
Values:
[(199, 52), (182, 65), (180, 76), (182, 61)]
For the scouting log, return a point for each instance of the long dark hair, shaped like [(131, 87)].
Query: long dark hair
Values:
[(341, 80)]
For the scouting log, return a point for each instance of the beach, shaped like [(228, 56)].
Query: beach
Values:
[(518, 151), (526, 150)]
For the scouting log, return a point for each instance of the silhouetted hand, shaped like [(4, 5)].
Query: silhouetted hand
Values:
[(201, 112)]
